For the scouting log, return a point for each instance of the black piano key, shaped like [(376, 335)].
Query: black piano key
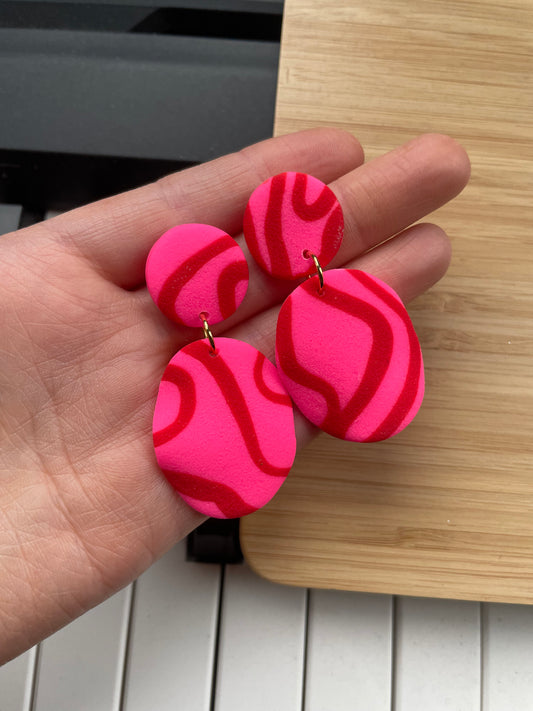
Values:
[(260, 6), (44, 181), (229, 19), (215, 541)]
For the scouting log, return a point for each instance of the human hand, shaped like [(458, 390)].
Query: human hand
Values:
[(83, 506)]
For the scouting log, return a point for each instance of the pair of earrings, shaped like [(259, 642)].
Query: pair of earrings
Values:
[(346, 350)]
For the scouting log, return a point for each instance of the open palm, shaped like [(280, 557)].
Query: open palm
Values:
[(83, 507)]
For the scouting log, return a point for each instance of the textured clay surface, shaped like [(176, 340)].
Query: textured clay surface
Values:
[(194, 269), (289, 217), (223, 428), (349, 357)]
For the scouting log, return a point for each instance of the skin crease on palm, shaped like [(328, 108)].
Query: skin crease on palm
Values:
[(83, 507)]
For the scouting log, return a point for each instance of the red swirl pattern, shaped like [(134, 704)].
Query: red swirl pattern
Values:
[(199, 488), (350, 357), (228, 281), (194, 269), (287, 216), (223, 428), (179, 277), (181, 378)]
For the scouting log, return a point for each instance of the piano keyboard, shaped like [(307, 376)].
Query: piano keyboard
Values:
[(205, 637)]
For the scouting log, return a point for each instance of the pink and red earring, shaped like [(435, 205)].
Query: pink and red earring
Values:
[(224, 431), (346, 349)]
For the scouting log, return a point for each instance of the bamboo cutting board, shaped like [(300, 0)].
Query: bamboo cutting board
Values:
[(445, 509)]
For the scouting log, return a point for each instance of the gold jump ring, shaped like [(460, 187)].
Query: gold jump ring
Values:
[(207, 332), (318, 271)]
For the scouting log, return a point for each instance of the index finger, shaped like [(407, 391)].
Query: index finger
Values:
[(116, 234)]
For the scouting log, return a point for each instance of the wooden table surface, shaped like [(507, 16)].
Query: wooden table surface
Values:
[(446, 508)]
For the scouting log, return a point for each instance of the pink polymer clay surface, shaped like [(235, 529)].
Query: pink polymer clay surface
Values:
[(194, 269), (349, 357), (288, 217), (223, 428)]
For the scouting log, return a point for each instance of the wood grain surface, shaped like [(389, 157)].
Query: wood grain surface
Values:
[(445, 509)]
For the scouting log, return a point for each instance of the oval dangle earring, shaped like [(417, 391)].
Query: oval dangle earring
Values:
[(346, 349), (223, 426)]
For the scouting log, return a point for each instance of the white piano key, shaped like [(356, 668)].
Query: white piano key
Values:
[(261, 646), (16, 682), (173, 635), (9, 217), (81, 666), (507, 657), (349, 652), (438, 649)]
